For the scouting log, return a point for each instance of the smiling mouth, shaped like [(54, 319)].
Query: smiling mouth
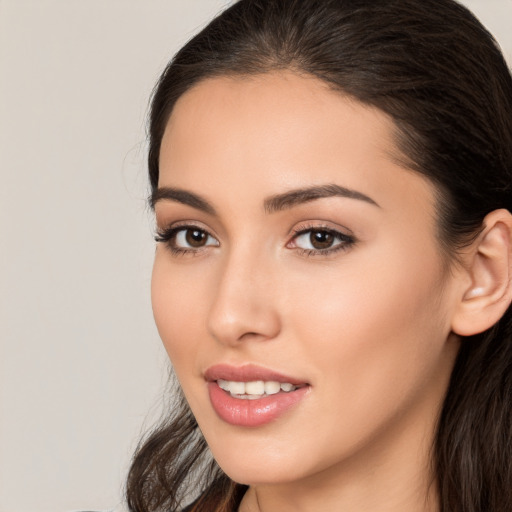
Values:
[(256, 389), (251, 395)]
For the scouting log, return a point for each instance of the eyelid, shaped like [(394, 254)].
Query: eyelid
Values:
[(346, 236), (167, 236), (162, 227), (320, 225)]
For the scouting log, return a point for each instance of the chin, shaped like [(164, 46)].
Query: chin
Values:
[(259, 463), (258, 473)]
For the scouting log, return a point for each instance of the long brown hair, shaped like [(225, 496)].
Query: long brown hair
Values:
[(440, 75)]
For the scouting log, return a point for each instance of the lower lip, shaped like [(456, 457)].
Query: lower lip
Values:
[(252, 413)]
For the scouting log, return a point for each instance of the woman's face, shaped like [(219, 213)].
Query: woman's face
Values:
[(298, 256)]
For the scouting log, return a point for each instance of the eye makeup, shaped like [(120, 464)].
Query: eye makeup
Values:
[(319, 239), (307, 240), (186, 239)]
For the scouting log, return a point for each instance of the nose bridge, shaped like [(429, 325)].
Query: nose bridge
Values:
[(243, 303)]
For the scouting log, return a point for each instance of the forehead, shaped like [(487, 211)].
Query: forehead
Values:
[(280, 130), (276, 105)]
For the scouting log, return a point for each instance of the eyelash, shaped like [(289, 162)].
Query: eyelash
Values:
[(345, 242), (168, 236)]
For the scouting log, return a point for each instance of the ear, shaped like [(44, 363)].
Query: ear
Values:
[(489, 268)]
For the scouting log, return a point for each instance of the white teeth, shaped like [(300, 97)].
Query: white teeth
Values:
[(254, 389), (237, 388), (223, 384), (272, 387)]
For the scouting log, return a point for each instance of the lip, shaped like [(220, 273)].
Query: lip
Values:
[(252, 413), (247, 373)]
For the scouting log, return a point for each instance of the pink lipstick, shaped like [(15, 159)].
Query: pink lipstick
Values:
[(251, 396)]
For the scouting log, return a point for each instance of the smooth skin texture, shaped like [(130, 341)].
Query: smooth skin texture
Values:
[(369, 326)]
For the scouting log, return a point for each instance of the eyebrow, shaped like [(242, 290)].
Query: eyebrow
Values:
[(305, 195), (181, 196), (272, 204)]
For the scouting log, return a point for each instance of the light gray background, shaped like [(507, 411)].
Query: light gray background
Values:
[(80, 360)]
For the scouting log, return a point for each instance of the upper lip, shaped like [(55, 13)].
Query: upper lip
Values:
[(248, 373)]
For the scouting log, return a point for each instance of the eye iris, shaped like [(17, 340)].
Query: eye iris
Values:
[(321, 239), (195, 237)]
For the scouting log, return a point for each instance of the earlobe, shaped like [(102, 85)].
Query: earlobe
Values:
[(489, 294)]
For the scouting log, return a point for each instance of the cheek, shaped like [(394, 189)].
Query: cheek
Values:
[(179, 311), (374, 331)]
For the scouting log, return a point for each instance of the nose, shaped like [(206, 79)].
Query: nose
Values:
[(244, 304)]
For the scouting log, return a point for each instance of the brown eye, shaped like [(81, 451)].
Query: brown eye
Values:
[(186, 239), (196, 237), (321, 239)]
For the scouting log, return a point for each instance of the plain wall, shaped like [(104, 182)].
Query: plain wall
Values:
[(80, 360)]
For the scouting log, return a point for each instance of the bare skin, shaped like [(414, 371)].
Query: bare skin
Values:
[(365, 318)]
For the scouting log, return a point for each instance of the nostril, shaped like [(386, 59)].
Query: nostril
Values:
[(246, 326)]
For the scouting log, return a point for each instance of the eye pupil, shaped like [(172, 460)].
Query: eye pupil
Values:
[(321, 239), (195, 237)]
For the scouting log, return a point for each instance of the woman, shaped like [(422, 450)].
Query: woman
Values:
[(332, 185)]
